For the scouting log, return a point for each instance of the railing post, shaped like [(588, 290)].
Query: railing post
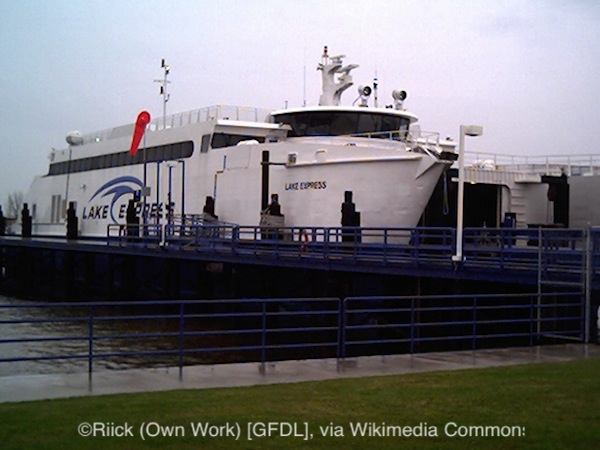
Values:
[(474, 344), (539, 286), (532, 320), (412, 325), (181, 328), (235, 235), (342, 330), (90, 346), (263, 341), (385, 245), (588, 285)]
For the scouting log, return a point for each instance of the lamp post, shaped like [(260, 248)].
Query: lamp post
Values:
[(465, 130)]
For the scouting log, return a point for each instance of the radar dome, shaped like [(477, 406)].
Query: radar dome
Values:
[(74, 138)]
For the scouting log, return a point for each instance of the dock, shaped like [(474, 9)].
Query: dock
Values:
[(314, 292)]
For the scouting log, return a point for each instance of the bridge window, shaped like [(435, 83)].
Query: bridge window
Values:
[(339, 123)]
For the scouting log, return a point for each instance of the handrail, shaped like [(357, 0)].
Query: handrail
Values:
[(194, 116), (570, 165), (188, 332), (415, 140), (390, 245)]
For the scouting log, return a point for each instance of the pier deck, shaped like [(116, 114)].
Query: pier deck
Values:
[(524, 256)]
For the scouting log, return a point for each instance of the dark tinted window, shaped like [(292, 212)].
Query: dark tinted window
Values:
[(179, 150), (221, 140), (338, 123)]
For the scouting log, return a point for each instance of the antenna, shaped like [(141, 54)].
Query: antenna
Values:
[(304, 80), (163, 89), (375, 82)]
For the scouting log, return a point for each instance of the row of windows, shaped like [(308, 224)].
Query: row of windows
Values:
[(153, 154)]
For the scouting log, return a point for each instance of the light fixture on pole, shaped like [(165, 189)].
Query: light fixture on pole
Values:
[(465, 130)]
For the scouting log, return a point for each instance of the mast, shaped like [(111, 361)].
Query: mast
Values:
[(163, 89), (332, 88)]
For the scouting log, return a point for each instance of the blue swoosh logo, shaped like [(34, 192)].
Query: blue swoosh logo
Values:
[(117, 187)]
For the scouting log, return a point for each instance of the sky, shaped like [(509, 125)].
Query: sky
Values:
[(528, 71)]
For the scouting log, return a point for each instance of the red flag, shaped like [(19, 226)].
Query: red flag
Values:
[(143, 119)]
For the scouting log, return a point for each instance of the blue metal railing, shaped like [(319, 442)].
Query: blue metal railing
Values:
[(387, 244), (528, 256), (465, 321), (557, 251), (562, 255), (258, 328), (179, 333), (502, 248)]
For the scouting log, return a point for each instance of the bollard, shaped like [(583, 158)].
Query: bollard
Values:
[(25, 221), (2, 223), (72, 222)]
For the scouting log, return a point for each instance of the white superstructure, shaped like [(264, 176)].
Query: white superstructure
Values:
[(538, 190), (315, 155)]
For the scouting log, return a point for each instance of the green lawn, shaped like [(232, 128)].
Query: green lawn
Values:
[(553, 406)]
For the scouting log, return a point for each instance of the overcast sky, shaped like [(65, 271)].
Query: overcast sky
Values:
[(528, 71)]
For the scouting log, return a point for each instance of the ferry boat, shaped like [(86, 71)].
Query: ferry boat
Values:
[(248, 166)]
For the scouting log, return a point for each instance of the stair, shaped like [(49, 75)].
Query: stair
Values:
[(517, 204)]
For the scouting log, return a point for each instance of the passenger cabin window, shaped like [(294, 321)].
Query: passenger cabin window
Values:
[(339, 123), (167, 152), (220, 140)]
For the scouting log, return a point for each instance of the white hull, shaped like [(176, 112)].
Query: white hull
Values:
[(391, 187)]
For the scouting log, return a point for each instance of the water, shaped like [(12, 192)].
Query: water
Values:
[(35, 349), (50, 322)]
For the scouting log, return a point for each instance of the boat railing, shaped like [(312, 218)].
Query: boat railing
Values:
[(570, 165), (427, 138), (414, 136), (395, 135), (209, 113)]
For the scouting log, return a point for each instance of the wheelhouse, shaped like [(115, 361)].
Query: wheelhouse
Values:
[(345, 121)]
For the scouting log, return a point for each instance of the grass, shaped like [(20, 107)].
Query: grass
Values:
[(556, 406)]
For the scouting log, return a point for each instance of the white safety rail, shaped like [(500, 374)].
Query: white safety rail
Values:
[(209, 113), (570, 165), (414, 136)]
